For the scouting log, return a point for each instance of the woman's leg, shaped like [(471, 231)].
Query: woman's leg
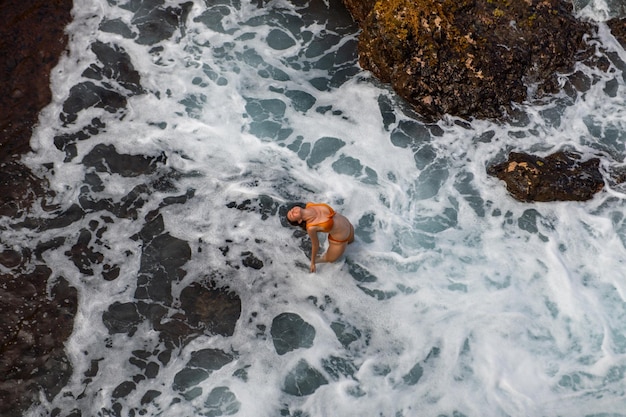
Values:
[(334, 251)]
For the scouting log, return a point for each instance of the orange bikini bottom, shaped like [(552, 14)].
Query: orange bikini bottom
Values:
[(332, 239)]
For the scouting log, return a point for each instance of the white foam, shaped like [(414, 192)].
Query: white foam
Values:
[(516, 297)]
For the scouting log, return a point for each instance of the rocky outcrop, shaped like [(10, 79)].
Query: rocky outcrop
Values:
[(561, 176), (37, 316), (618, 29), (469, 58), (33, 331), (31, 40)]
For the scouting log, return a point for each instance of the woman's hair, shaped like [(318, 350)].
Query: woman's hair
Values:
[(289, 207)]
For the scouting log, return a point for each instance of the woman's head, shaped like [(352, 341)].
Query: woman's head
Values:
[(294, 214)]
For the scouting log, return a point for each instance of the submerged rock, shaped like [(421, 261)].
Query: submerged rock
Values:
[(562, 176), (468, 58), (303, 380), (291, 332)]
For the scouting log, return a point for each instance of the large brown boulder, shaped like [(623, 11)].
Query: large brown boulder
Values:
[(468, 58), (561, 176)]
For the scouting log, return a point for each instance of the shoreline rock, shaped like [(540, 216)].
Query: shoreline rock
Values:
[(618, 30), (36, 324), (32, 38), (561, 176), (470, 58)]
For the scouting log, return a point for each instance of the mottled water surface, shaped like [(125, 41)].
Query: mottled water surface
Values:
[(177, 134)]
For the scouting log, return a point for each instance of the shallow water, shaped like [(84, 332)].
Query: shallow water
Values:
[(178, 133)]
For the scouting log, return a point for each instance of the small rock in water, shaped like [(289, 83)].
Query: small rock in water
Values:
[(561, 176), (290, 332)]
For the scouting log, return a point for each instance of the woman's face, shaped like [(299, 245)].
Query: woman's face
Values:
[(295, 215)]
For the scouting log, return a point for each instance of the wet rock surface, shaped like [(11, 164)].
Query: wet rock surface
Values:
[(33, 330), (35, 322), (205, 308), (470, 58), (562, 176), (31, 40), (289, 332), (303, 380), (39, 314), (618, 29)]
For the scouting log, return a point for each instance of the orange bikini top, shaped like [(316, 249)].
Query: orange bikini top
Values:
[(326, 225)]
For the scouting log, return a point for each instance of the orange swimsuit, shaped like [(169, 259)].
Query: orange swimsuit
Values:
[(327, 225)]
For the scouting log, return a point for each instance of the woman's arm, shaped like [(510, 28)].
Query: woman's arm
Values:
[(315, 246)]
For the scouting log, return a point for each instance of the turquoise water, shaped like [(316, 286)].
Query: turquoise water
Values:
[(181, 130)]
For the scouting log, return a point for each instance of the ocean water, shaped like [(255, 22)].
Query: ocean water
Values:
[(178, 133)]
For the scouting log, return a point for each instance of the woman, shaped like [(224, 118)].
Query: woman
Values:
[(320, 217)]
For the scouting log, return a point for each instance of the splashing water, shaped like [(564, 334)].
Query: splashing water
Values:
[(177, 134)]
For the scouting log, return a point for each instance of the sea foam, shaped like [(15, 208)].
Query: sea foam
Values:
[(454, 299)]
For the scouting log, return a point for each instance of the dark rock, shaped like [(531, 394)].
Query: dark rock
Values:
[(359, 273), (33, 330), (87, 94), (123, 389), (161, 263), (251, 261), (209, 359), (303, 380), (346, 333), (290, 332), (156, 23), (117, 26), (201, 364), (31, 39), (360, 9), (116, 66), (60, 220), (338, 367), (417, 371), (105, 158), (35, 323), (221, 402), (67, 142), (469, 58), (149, 396), (10, 258), (83, 255), (561, 176), (264, 204), (188, 377), (110, 272), (117, 80), (204, 308), (211, 308), (618, 29), (19, 189), (122, 318)]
